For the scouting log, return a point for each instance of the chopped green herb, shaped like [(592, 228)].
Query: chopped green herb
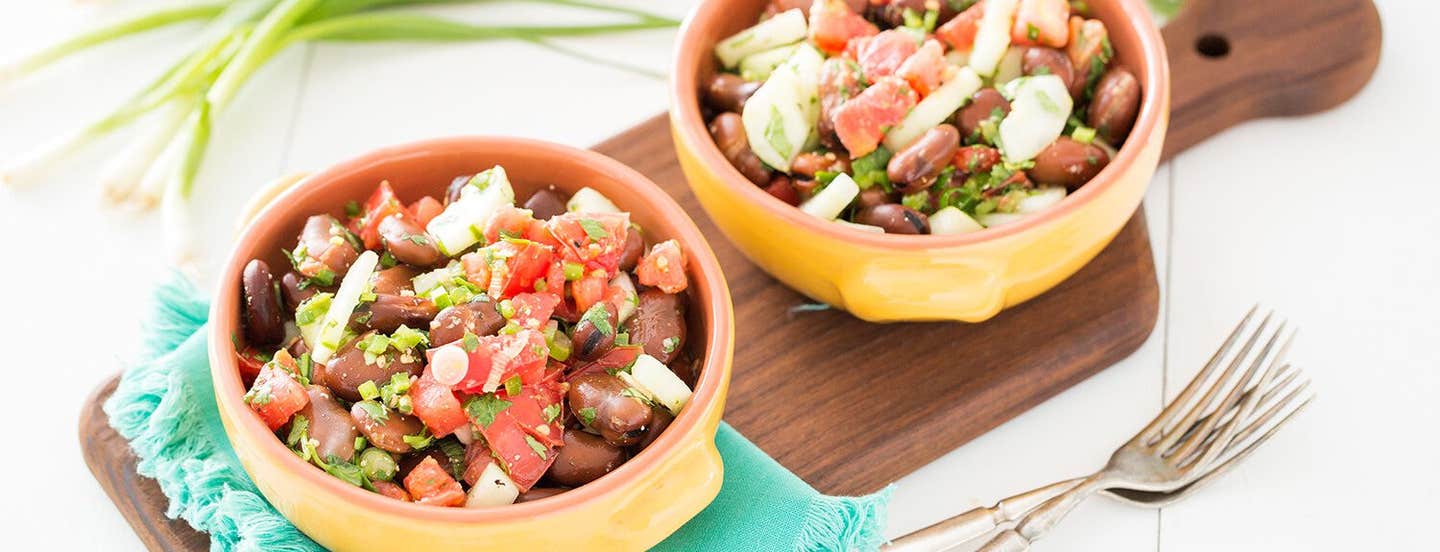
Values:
[(594, 229), (258, 396), (345, 471), (512, 385), (305, 367), (669, 344), (420, 441), (417, 239), (1032, 32), (299, 430), (600, 318), (359, 443), (536, 446), (470, 342), (387, 260), (587, 415), (869, 170), (352, 208), (374, 410), (482, 409), (552, 413), (323, 278)]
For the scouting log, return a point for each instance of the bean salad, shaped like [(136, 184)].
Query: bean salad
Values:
[(920, 116), (466, 352)]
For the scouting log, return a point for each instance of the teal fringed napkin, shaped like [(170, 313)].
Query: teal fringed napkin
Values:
[(165, 407)]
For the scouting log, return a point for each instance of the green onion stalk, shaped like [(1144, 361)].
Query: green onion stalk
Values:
[(173, 115)]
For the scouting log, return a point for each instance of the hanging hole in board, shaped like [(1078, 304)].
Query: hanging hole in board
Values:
[(1213, 46)]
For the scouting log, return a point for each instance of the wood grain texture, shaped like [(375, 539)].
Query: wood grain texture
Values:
[(807, 384), (1281, 58)]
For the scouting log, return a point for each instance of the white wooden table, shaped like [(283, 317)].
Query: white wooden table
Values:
[(1330, 219)]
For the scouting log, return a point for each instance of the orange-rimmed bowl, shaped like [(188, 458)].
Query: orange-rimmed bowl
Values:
[(631, 508), (888, 277)]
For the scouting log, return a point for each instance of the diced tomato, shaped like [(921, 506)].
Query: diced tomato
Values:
[(532, 310), (882, 54), (833, 24), (959, 31), (596, 240), (514, 266), (436, 405), (861, 122), (477, 270), (925, 68), (276, 395), (663, 267), (428, 483), (528, 411), (976, 159), (508, 442), (508, 221), (381, 204), (250, 364), (424, 210), (588, 290), (614, 359), (391, 490), (477, 457), (1087, 40), (1041, 22), (500, 357)]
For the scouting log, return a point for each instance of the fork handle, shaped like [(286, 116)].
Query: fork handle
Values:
[(968, 525), (1043, 518)]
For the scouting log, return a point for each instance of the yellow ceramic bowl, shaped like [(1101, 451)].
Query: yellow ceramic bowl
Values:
[(886, 277), (631, 508)]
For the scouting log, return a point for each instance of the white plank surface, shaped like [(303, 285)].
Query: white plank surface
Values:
[(1325, 218)]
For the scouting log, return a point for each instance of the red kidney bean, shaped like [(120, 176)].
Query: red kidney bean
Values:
[(537, 493), (872, 196), (895, 219), (658, 324), (1115, 105), (408, 242), (388, 312), (476, 317), (388, 433), (727, 92), (296, 290), (783, 189), (634, 248), (326, 246), (805, 187), (330, 424), (546, 203), (394, 280), (1066, 162), (808, 164), (592, 338), (263, 325), (660, 420), (348, 369), (982, 107), (915, 167), (729, 135), (584, 458), (1039, 60), (618, 416)]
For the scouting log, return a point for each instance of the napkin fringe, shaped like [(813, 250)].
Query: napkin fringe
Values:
[(148, 408), (845, 523)]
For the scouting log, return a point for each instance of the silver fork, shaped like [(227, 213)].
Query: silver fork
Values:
[(1180, 445), (961, 528)]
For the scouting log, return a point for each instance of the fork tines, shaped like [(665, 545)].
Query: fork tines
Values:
[(1224, 414)]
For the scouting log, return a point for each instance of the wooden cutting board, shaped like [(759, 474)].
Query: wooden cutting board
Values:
[(806, 383)]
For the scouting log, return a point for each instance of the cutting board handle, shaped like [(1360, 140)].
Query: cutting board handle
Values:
[(1236, 60)]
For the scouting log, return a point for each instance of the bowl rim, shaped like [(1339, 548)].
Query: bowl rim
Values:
[(690, 127), (707, 280)]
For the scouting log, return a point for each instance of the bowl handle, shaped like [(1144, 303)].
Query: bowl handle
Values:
[(265, 195), (893, 289)]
